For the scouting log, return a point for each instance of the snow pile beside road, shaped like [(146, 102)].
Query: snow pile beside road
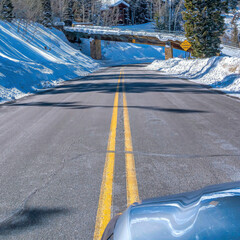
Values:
[(230, 51), (222, 73), (33, 57)]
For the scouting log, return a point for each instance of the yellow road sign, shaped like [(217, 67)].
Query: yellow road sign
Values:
[(186, 45)]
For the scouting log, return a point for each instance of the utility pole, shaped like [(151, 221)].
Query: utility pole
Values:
[(170, 14)]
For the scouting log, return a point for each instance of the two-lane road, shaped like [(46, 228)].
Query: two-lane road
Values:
[(74, 156)]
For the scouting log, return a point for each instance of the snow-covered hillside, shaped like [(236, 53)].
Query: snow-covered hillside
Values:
[(33, 57), (222, 73)]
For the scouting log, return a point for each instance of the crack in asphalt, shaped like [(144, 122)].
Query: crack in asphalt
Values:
[(178, 155)]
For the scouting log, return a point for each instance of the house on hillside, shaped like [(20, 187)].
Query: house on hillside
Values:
[(116, 13)]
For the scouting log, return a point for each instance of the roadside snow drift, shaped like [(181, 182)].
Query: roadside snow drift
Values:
[(222, 73), (33, 57)]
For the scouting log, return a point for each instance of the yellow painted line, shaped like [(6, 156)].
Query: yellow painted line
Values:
[(105, 199), (131, 178)]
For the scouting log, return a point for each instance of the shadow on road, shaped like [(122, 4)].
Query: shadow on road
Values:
[(75, 105), (30, 218), (130, 87), (98, 84)]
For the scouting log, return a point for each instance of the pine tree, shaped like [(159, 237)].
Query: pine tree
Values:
[(140, 11), (233, 4), (68, 12), (88, 10), (46, 13), (7, 10), (229, 5), (204, 26), (132, 11)]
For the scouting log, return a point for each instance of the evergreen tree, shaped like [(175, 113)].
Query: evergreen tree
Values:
[(132, 11), (204, 26), (68, 12), (229, 5), (88, 10), (46, 13), (140, 11), (7, 10), (233, 4)]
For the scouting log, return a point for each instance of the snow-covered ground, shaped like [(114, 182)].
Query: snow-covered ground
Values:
[(33, 57), (230, 51), (222, 73)]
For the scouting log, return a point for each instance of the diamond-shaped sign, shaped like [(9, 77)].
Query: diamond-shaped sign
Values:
[(186, 45)]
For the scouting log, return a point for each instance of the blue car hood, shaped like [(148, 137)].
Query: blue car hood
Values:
[(210, 213)]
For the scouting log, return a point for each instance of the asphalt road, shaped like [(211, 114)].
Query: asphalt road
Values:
[(54, 147)]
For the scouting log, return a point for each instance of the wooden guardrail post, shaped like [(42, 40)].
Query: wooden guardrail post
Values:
[(168, 51), (95, 48)]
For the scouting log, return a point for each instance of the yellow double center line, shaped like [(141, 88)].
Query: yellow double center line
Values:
[(131, 179), (105, 199)]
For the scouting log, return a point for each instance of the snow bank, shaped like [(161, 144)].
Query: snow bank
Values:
[(222, 73), (230, 51), (33, 57)]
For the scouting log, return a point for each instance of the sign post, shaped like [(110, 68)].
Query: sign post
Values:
[(168, 50)]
